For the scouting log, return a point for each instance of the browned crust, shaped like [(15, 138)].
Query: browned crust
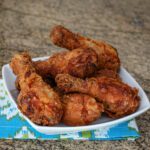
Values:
[(119, 99), (107, 73), (36, 100), (107, 55), (79, 62), (80, 109), (64, 38)]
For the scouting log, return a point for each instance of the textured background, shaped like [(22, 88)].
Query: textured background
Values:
[(25, 25)]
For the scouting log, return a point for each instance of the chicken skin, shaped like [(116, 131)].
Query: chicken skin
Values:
[(36, 99), (118, 98), (79, 63), (80, 109), (107, 55), (107, 73)]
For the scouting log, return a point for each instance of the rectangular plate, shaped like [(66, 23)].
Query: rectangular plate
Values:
[(9, 83)]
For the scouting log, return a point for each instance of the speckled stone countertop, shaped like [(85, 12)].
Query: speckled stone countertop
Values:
[(125, 24)]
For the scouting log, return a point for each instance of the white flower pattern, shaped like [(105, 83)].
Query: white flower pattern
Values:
[(24, 133)]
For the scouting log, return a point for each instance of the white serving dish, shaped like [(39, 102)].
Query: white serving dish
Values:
[(9, 83)]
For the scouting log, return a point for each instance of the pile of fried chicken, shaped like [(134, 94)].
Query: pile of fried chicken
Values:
[(74, 86)]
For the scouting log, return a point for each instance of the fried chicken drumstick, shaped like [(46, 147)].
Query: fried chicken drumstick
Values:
[(78, 62), (107, 55), (118, 98), (36, 100), (80, 109)]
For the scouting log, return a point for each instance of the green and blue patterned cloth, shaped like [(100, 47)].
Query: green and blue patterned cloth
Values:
[(14, 126)]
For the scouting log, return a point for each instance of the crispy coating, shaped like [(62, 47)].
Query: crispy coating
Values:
[(79, 62), (50, 81), (80, 109), (36, 100), (107, 55), (119, 99), (42, 68), (107, 73)]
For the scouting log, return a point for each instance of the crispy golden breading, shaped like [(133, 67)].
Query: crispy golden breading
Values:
[(80, 109), (119, 99), (79, 62), (107, 55), (36, 100)]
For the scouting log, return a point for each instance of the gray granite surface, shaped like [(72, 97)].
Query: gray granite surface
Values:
[(25, 25)]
